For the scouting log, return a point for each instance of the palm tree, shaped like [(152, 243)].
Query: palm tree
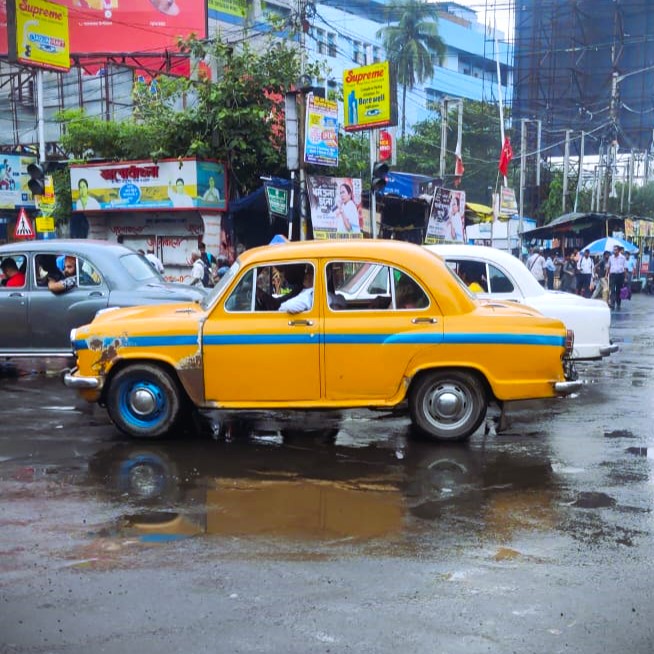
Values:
[(412, 44)]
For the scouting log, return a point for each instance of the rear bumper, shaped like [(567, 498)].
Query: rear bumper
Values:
[(609, 349), (567, 387), (72, 380)]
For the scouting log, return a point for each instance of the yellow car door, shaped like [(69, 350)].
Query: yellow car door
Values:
[(369, 344), (259, 354)]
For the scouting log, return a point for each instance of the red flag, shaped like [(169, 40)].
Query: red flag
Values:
[(505, 157)]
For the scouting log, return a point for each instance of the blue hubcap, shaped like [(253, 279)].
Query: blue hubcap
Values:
[(142, 403)]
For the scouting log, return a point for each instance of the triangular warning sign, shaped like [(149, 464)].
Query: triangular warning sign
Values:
[(24, 227)]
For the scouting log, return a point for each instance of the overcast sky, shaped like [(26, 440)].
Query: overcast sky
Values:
[(489, 11)]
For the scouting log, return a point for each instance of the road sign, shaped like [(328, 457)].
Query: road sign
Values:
[(24, 228)]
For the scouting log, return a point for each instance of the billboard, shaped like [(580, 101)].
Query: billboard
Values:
[(446, 218), (321, 131), (125, 26), (13, 181), (370, 99), (145, 185), (38, 34), (335, 204)]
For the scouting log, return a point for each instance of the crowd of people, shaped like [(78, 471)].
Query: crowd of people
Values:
[(607, 277)]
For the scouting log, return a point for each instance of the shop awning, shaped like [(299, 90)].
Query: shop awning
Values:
[(478, 213)]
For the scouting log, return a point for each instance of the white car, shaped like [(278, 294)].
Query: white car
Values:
[(504, 277)]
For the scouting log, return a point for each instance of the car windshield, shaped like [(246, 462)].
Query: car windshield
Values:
[(138, 267), (218, 289)]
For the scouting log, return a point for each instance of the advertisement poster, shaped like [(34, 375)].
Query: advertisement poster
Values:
[(335, 204), (446, 218), (134, 185), (369, 97), (219, 9), (108, 26), (321, 132), (38, 34), (13, 181), (508, 203)]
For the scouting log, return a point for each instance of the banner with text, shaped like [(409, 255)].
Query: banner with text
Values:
[(335, 205), (134, 185), (321, 132), (446, 218)]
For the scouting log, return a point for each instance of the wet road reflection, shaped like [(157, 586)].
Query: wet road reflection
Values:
[(259, 486)]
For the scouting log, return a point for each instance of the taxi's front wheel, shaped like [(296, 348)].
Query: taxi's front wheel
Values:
[(143, 401), (447, 405)]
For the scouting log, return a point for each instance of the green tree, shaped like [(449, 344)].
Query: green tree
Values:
[(420, 152), (412, 44), (238, 117)]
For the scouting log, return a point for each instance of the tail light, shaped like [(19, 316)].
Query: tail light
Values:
[(569, 342)]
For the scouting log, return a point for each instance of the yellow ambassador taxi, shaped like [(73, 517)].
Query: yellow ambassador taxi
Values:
[(277, 334)]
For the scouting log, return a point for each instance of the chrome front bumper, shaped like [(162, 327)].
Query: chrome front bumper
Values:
[(567, 387), (71, 380), (605, 351)]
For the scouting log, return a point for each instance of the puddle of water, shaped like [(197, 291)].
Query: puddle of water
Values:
[(594, 500), (619, 433)]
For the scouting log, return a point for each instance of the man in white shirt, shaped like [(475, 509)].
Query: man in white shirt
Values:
[(617, 265), (197, 272), (585, 266), (304, 300), (537, 267)]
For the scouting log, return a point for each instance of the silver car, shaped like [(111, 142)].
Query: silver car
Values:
[(36, 321)]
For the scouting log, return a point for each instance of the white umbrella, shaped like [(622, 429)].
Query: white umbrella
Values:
[(607, 244)]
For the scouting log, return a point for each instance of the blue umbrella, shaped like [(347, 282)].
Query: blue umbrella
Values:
[(608, 243)]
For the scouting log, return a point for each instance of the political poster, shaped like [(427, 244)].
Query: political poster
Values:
[(13, 181), (446, 217), (335, 205), (134, 185)]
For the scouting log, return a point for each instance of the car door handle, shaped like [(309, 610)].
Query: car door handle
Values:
[(296, 323), (16, 295), (415, 321), (96, 294)]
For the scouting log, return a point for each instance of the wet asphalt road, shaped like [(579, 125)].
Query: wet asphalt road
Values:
[(274, 540)]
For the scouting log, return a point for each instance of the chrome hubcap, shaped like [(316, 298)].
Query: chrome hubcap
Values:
[(142, 401), (447, 404)]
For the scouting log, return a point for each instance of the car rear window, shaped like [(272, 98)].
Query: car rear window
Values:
[(138, 267)]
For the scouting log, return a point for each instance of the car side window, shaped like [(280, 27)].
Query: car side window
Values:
[(499, 282), (88, 273), (408, 294), (242, 297), (13, 270)]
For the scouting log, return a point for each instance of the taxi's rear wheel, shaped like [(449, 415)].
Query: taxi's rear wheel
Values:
[(447, 405), (144, 401)]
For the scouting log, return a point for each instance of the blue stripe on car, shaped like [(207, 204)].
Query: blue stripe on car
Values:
[(334, 339)]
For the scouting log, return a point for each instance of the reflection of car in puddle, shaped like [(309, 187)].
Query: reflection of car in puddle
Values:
[(251, 487)]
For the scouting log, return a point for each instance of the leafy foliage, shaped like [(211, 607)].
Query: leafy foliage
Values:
[(238, 117)]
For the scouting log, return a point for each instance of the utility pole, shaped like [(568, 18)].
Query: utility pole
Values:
[(566, 169), (444, 112), (523, 163), (581, 170)]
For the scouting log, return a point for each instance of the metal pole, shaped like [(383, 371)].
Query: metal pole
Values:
[(373, 195), (566, 169), (444, 111), (40, 114), (523, 163), (538, 146), (631, 180), (581, 170), (499, 94)]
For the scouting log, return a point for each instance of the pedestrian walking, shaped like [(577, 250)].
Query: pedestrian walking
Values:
[(537, 266), (198, 271), (616, 277), (600, 276), (585, 266), (550, 269), (569, 275)]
